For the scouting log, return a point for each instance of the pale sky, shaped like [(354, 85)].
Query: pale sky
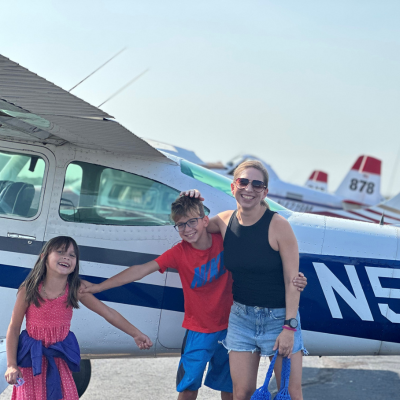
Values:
[(302, 84)]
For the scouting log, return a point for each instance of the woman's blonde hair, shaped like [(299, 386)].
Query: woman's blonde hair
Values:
[(38, 273), (256, 165)]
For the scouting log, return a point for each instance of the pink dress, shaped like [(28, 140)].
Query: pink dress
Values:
[(49, 323)]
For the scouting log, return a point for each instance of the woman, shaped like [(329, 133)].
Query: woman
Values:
[(261, 251)]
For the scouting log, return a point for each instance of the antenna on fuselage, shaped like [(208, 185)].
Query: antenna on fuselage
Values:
[(101, 66), (125, 86)]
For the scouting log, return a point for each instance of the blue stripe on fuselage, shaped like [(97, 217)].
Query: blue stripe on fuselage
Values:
[(136, 294), (315, 312)]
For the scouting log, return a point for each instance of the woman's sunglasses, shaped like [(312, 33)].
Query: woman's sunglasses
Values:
[(242, 183)]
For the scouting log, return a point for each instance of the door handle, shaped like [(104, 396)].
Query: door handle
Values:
[(19, 236)]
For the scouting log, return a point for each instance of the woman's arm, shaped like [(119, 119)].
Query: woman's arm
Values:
[(289, 252), (116, 319), (14, 329), (216, 224)]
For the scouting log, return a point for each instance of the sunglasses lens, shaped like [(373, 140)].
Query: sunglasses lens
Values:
[(258, 185), (241, 183)]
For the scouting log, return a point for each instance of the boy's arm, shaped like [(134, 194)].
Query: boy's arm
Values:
[(131, 274), (115, 319), (12, 337)]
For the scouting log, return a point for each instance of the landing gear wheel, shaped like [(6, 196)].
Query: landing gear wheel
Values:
[(82, 378)]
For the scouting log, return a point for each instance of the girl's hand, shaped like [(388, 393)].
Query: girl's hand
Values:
[(142, 341), (12, 374), (300, 281), (285, 342), (192, 193)]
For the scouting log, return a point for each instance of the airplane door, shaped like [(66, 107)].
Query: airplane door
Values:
[(118, 219), (26, 178), (171, 333)]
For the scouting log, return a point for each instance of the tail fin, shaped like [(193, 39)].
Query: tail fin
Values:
[(318, 180), (362, 185)]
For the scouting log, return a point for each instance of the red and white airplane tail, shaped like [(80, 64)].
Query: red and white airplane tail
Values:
[(318, 180), (362, 185)]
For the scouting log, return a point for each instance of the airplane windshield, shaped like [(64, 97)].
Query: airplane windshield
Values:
[(217, 181)]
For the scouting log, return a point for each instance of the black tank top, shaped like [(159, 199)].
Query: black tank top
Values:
[(256, 267)]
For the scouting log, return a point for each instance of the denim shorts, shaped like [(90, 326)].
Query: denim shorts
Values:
[(256, 329)]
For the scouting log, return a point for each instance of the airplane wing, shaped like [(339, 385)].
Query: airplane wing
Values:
[(188, 155), (390, 209), (35, 109)]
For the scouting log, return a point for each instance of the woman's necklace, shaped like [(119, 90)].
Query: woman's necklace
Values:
[(47, 297)]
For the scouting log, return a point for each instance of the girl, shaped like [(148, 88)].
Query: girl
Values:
[(261, 251), (47, 298)]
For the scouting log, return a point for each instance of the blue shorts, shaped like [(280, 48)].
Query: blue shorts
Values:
[(256, 329), (198, 349)]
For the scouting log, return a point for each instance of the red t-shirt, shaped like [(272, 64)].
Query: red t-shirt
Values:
[(206, 283)]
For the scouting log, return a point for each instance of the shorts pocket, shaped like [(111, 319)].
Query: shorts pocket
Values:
[(238, 309), (278, 313)]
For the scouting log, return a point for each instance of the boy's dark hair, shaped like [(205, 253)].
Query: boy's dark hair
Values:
[(185, 205)]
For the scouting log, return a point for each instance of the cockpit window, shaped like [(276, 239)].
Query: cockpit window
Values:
[(97, 194), (21, 184), (216, 180)]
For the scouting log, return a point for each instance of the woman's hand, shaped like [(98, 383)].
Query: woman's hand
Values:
[(284, 342), (300, 281), (143, 341), (12, 374), (192, 193)]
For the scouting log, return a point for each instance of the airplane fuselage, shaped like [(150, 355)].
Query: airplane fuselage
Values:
[(350, 306)]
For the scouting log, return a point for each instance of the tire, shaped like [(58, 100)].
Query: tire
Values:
[(82, 378)]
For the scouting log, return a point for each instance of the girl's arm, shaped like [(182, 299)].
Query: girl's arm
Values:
[(14, 329), (289, 252), (116, 319)]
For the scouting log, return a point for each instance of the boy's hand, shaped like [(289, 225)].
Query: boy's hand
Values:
[(12, 374), (300, 281), (142, 341), (192, 193), (88, 287)]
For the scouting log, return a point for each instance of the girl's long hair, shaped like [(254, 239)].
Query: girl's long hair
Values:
[(38, 273)]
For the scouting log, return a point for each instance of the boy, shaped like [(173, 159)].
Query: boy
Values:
[(207, 289)]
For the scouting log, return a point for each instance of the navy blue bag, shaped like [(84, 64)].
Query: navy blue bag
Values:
[(262, 393)]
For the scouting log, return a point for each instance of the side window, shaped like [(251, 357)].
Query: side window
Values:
[(21, 184), (95, 194)]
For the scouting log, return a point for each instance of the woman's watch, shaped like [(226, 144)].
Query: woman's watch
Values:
[(292, 322)]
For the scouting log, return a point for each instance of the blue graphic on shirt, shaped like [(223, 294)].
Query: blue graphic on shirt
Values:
[(209, 272)]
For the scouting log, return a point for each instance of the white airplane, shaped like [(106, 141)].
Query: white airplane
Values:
[(360, 187), (68, 169), (318, 180), (387, 212)]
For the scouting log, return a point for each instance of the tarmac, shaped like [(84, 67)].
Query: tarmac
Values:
[(326, 378)]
